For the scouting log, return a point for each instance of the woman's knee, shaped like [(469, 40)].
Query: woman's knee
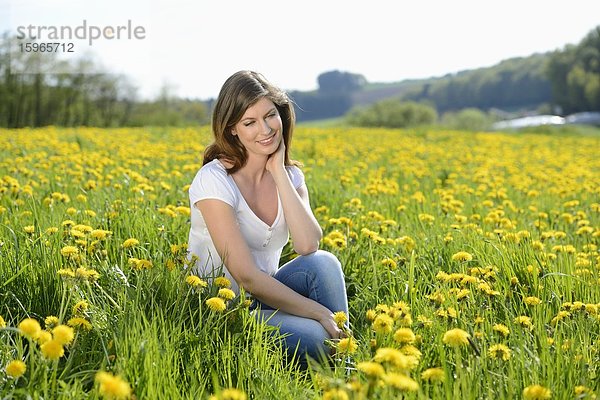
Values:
[(325, 262)]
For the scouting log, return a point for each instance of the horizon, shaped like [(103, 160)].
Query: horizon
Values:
[(189, 49)]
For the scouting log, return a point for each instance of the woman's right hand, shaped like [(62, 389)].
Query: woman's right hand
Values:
[(331, 327)]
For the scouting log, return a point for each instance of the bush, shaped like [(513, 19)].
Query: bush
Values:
[(392, 113), (472, 119)]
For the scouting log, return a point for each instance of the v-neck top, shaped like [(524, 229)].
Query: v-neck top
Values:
[(265, 241)]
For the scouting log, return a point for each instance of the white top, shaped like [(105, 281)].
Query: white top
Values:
[(265, 242)]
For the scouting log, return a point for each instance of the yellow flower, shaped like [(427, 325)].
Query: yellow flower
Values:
[(112, 387), (499, 351), (77, 322), (29, 229), (456, 337), (462, 256), (15, 368), (43, 337), (51, 321), (30, 328), (404, 335), (2, 322), (524, 321), (131, 242), (347, 345), (196, 282), (433, 375), (221, 281), (396, 358), (383, 323), (370, 368), (69, 251), (226, 294), (335, 394), (502, 329), (536, 392), (532, 301), (80, 307), (52, 349), (401, 381), (216, 304), (340, 318), (63, 334)]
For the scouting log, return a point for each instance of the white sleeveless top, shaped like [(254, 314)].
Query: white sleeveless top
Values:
[(265, 242)]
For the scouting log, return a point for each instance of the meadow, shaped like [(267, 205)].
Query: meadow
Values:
[(471, 261)]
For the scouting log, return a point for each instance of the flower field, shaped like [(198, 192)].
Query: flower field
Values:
[(471, 260)]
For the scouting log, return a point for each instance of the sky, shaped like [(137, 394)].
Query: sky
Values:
[(192, 46)]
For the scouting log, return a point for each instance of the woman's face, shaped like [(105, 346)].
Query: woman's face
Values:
[(260, 129)]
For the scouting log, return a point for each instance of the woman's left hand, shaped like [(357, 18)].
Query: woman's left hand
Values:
[(276, 160)]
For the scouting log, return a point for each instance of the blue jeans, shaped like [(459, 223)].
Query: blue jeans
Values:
[(319, 277)]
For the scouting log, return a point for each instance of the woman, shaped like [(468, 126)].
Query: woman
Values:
[(247, 199)]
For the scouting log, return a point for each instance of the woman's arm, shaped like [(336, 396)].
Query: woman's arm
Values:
[(304, 228), (231, 246)]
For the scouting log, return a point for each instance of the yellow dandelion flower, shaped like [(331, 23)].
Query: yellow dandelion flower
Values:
[(524, 321), (66, 273), (63, 334), (396, 358), (462, 256), (456, 337), (347, 345), (401, 382), (87, 274), (536, 392), (433, 375), (78, 322), (69, 251), (80, 307), (340, 318), (502, 329), (196, 282), (112, 387), (404, 335), (335, 394), (371, 369), (43, 337), (226, 294), (532, 301), (51, 321), (131, 242), (221, 281), (382, 324), (2, 322), (52, 349), (500, 351), (15, 368), (370, 315), (216, 304), (30, 328)]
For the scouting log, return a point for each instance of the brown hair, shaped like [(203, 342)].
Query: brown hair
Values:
[(239, 92)]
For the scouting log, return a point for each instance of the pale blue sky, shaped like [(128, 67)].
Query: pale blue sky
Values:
[(194, 45)]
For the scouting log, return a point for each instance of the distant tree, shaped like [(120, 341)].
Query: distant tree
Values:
[(340, 82), (472, 119)]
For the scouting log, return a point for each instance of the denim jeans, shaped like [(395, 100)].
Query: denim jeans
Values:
[(319, 277)]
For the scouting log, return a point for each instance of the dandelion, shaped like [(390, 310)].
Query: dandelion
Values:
[(223, 282), (502, 329), (29, 229), (51, 321), (52, 349), (499, 351), (43, 337), (462, 256), (195, 282), (229, 394), (401, 382), (30, 328), (370, 368), (15, 368), (2, 322), (226, 294), (396, 358), (404, 335), (383, 323), (340, 318), (456, 337), (69, 251), (347, 345), (80, 323), (335, 394), (66, 273), (536, 392), (87, 274), (388, 262), (524, 321), (532, 301), (131, 242), (112, 387), (216, 304), (433, 375), (80, 307), (63, 334)]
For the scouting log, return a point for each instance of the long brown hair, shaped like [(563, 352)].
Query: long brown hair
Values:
[(240, 91)]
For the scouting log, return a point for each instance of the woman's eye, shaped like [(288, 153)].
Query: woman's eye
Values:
[(248, 123)]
